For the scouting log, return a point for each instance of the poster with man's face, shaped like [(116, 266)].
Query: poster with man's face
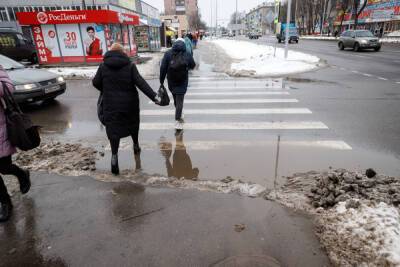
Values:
[(94, 40)]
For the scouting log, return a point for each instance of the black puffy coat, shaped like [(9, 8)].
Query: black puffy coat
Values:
[(178, 47), (117, 78)]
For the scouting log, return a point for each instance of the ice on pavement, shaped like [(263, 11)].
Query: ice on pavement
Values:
[(259, 60)]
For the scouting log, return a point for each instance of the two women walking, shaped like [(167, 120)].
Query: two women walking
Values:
[(118, 79)]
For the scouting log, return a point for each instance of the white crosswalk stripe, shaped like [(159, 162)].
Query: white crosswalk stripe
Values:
[(235, 93), (241, 101), (301, 125), (250, 111)]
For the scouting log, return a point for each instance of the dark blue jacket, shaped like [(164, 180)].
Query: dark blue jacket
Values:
[(178, 47)]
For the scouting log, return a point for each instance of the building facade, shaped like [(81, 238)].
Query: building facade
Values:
[(180, 7), (260, 18), (379, 16), (141, 36)]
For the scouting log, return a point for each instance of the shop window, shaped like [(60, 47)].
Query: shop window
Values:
[(3, 14)]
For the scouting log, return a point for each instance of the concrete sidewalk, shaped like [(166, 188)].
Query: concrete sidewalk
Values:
[(77, 221)]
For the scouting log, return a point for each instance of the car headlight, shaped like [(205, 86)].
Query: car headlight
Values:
[(27, 86), (364, 41), (60, 79)]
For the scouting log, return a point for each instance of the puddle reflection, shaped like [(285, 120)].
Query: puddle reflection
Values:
[(181, 164)]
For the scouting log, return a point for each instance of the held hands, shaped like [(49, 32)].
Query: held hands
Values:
[(157, 100)]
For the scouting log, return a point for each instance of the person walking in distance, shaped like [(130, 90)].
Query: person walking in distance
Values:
[(6, 150), (117, 78), (175, 65)]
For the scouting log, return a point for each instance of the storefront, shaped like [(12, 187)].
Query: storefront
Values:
[(79, 36), (148, 35), (379, 16)]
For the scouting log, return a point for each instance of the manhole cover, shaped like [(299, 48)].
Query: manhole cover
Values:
[(248, 261)]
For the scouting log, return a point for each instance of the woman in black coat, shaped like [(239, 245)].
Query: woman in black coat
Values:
[(117, 79)]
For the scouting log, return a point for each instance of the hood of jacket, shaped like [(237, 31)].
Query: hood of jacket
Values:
[(179, 46), (116, 59)]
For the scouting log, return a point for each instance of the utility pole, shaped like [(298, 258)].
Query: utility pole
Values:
[(236, 14), (83, 4), (287, 28), (216, 18), (211, 20)]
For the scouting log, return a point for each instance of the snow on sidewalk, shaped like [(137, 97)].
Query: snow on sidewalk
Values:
[(259, 60), (147, 69)]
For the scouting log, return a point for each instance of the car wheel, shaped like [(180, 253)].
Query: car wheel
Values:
[(290, 41), (356, 47), (297, 41), (377, 49), (34, 58), (341, 46), (279, 40)]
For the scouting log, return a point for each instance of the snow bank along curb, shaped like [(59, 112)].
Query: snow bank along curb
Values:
[(148, 69), (388, 39), (258, 60), (357, 217)]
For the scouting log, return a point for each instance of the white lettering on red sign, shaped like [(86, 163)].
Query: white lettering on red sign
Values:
[(124, 18), (38, 37), (66, 17)]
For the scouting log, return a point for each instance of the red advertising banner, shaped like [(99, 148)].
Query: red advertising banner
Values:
[(75, 16), (45, 54)]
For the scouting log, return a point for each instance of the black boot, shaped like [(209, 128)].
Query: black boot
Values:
[(6, 210), (25, 182), (114, 164), (136, 149)]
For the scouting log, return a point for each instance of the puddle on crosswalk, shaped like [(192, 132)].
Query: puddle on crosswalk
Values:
[(250, 161)]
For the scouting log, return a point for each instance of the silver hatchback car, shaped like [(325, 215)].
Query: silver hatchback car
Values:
[(358, 40)]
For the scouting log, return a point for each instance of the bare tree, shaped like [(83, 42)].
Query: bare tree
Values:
[(358, 10)]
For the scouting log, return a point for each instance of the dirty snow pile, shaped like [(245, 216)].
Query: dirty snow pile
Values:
[(147, 69), (364, 235), (55, 157), (357, 215), (259, 60)]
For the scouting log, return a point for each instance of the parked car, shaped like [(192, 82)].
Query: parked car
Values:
[(14, 45), (254, 35), (33, 84), (358, 40)]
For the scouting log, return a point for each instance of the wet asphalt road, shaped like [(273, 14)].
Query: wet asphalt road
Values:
[(327, 118), (77, 221)]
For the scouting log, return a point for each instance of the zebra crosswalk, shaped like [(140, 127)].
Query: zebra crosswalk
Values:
[(235, 105)]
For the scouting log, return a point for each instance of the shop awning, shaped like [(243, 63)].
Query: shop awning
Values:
[(171, 29)]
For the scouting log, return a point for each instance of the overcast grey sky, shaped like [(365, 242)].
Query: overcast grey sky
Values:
[(225, 8)]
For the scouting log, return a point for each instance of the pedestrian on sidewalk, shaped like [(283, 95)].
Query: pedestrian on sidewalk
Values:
[(6, 150), (118, 79), (175, 66), (188, 43)]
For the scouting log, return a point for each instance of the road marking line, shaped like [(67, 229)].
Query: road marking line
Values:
[(398, 82), (301, 125), (126, 144), (235, 88), (167, 112), (367, 75), (381, 78), (235, 93), (241, 101), (343, 69), (335, 67), (354, 71)]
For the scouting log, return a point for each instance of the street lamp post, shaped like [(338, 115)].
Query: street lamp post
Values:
[(216, 18), (287, 28)]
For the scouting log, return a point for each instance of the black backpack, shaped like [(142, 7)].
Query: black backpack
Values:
[(178, 68)]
